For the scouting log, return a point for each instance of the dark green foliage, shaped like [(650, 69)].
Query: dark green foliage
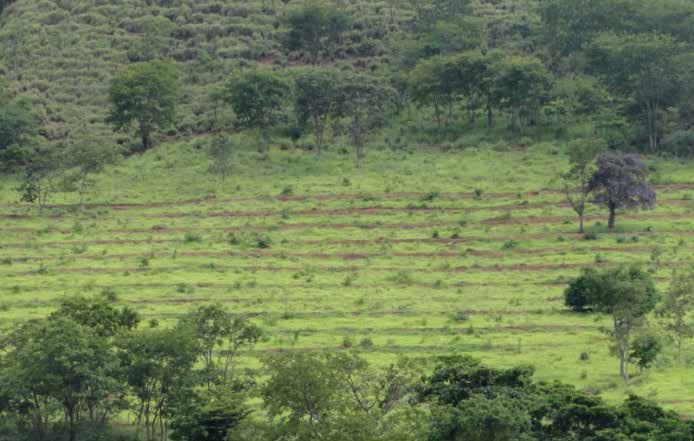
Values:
[(319, 98), (316, 27), (258, 98), (17, 127), (97, 314), (581, 290), (645, 349), (144, 95)]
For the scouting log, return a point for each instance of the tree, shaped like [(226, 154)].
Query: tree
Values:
[(579, 295), (208, 416), (436, 82), (620, 182), (366, 105), (481, 418), (41, 169), (221, 154), (639, 66), (215, 328), (145, 94), (158, 365), (98, 315), (644, 350), (315, 27), (521, 86), (318, 99), (302, 388), (626, 294), (258, 97), (677, 310), (60, 362), (86, 155), (582, 155)]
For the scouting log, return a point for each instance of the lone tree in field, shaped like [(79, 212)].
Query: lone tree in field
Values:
[(144, 95), (318, 99), (620, 182), (316, 27), (677, 310), (258, 97), (221, 154), (577, 180), (626, 294)]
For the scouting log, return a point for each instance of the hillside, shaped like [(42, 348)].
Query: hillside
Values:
[(452, 234)]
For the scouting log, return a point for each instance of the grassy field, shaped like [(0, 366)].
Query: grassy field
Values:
[(418, 253)]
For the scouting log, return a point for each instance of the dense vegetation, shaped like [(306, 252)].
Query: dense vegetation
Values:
[(200, 101)]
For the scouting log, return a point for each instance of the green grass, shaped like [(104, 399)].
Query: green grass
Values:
[(404, 252)]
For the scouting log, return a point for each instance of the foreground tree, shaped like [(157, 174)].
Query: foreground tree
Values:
[(258, 97), (58, 363), (158, 366), (620, 182), (582, 155), (318, 99), (626, 294), (144, 95), (677, 310), (97, 314), (316, 27), (217, 330)]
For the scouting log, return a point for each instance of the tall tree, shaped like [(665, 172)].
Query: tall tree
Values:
[(640, 67), (521, 86), (258, 97), (217, 330), (60, 362), (620, 182), (626, 294), (367, 103), (436, 82), (318, 99), (158, 365), (582, 155), (145, 94), (677, 310)]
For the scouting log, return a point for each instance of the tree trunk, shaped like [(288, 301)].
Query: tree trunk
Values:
[(490, 117), (319, 139), (146, 141), (580, 223), (623, 368), (613, 215)]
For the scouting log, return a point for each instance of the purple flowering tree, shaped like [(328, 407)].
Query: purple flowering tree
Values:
[(620, 182)]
